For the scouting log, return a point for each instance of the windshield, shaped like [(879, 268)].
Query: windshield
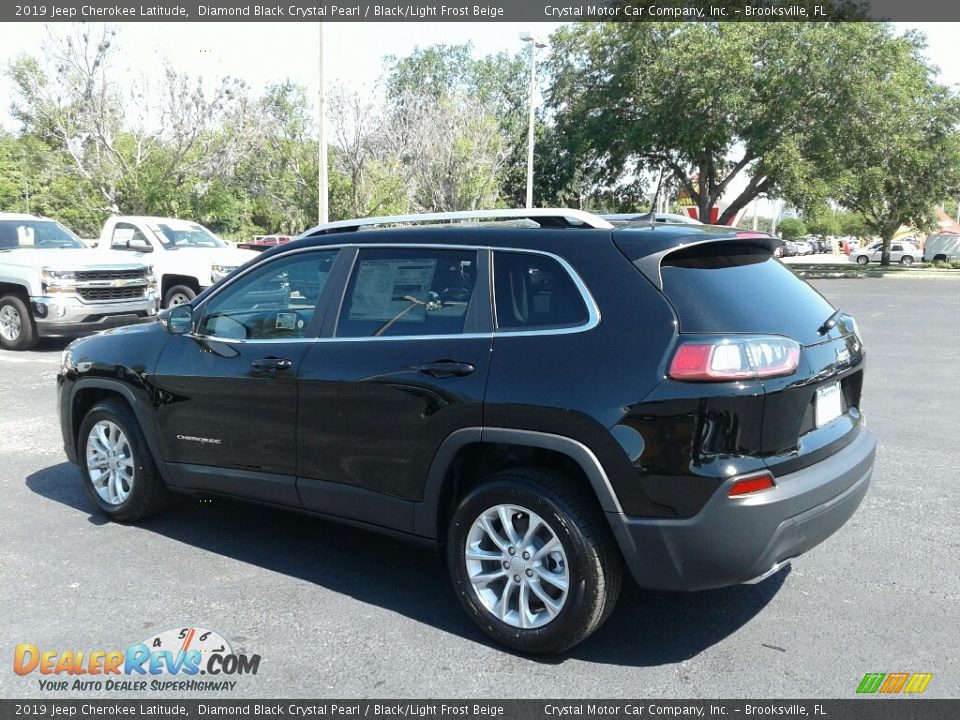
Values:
[(186, 235), (41, 234)]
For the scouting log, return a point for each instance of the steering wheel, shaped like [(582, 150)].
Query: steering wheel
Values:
[(455, 293)]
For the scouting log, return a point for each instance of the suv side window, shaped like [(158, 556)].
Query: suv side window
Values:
[(408, 291), (128, 237), (276, 301), (535, 292)]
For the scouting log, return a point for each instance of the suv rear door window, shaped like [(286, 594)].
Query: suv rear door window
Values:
[(408, 291), (535, 292)]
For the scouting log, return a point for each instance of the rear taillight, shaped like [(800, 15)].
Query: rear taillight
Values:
[(750, 485), (735, 358)]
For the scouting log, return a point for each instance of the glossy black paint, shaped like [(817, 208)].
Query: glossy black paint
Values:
[(216, 407), (370, 418), (352, 427)]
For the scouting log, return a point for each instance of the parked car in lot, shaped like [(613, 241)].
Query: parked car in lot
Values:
[(941, 247), (263, 242), (52, 285), (495, 391), (803, 247), (900, 252), (790, 248), (186, 257)]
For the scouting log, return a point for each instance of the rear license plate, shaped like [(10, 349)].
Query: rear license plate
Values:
[(828, 406)]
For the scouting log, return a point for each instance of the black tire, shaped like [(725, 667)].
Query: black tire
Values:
[(862, 260), (594, 564), (148, 494), (176, 292), (26, 337), (906, 260)]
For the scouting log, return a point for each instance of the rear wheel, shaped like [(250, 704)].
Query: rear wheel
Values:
[(862, 259), (533, 560), (17, 330), (178, 295), (906, 260), (118, 470)]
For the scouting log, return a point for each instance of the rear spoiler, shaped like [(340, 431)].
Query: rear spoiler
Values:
[(647, 250)]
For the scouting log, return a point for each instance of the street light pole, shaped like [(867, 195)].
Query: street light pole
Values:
[(534, 44), (323, 213)]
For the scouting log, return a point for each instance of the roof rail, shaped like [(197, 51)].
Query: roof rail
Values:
[(546, 217)]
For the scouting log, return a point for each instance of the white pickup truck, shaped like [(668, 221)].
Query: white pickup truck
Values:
[(52, 285), (186, 257)]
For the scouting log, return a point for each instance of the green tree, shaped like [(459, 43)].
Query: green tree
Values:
[(898, 155), (851, 224), (792, 228), (496, 85), (823, 224), (712, 102)]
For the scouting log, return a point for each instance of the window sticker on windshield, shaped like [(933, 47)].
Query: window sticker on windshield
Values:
[(25, 236), (386, 288), (286, 321)]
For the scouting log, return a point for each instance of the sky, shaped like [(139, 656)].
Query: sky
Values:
[(265, 53)]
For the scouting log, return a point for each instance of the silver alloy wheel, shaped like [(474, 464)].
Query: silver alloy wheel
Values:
[(517, 566), (178, 299), (10, 323), (110, 462)]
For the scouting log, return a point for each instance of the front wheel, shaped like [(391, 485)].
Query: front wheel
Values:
[(118, 470), (178, 295), (533, 561), (17, 330), (862, 260)]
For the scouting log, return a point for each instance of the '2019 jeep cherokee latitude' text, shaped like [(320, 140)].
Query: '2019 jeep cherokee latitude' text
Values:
[(549, 404)]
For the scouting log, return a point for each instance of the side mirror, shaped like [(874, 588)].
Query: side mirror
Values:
[(177, 320), (140, 245)]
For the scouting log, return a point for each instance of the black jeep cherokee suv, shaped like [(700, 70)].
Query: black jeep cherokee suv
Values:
[(547, 404)]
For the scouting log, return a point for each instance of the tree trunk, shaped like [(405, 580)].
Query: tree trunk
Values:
[(885, 255)]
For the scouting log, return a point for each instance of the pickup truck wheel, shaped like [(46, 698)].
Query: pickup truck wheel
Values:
[(118, 470), (17, 330), (178, 295), (533, 560)]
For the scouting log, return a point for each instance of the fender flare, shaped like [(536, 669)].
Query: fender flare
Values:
[(426, 512), (143, 414)]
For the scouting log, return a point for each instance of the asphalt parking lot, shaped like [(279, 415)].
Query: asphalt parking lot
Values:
[(338, 612)]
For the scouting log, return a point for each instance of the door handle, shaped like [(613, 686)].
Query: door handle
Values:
[(447, 368), (272, 363)]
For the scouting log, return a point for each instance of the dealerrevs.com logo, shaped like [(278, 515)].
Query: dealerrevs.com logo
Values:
[(893, 683), (168, 661)]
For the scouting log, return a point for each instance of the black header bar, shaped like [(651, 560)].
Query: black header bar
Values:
[(475, 10)]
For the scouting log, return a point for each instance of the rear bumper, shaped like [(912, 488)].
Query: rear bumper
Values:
[(736, 540)]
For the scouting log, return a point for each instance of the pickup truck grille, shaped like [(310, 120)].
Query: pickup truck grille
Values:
[(120, 293), (88, 275)]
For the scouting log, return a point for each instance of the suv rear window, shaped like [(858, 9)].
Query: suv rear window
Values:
[(727, 287), (534, 292)]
